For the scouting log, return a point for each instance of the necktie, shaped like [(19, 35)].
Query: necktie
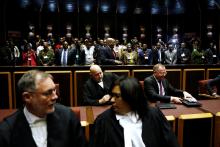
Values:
[(64, 58), (114, 54), (160, 88)]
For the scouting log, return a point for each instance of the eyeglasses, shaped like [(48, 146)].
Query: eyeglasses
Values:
[(47, 93), (162, 73)]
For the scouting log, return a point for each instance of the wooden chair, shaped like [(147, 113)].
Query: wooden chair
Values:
[(217, 130), (6, 112), (195, 130), (202, 89)]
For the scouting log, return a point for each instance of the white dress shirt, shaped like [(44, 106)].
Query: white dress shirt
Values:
[(38, 128), (132, 129)]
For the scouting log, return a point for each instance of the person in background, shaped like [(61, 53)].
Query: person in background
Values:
[(211, 83), (46, 56), (158, 88), (65, 56), (96, 89), (130, 122), (183, 54), (29, 56), (41, 122), (170, 55), (108, 55), (129, 56)]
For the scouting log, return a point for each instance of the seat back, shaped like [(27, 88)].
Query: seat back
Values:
[(202, 89), (5, 113)]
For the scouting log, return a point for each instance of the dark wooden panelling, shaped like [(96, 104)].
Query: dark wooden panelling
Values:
[(141, 74), (63, 78), (80, 78), (191, 78), (195, 130), (212, 73), (6, 90)]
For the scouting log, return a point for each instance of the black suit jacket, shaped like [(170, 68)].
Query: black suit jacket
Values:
[(70, 57), (63, 128), (106, 56), (92, 91), (156, 131), (155, 56), (152, 91)]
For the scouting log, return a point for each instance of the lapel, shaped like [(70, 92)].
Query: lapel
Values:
[(155, 83), (54, 130), (21, 134), (106, 83), (148, 133)]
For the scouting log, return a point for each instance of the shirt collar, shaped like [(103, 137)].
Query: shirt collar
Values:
[(130, 115), (31, 118)]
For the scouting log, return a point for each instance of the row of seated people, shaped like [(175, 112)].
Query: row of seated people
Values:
[(41, 122), (156, 87), (105, 52)]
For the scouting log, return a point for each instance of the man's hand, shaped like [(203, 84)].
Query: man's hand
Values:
[(104, 99), (118, 62), (176, 100)]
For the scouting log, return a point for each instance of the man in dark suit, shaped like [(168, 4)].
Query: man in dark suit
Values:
[(96, 89), (108, 55), (157, 88), (65, 56), (41, 123)]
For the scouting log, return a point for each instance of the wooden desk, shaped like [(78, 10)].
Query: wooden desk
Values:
[(213, 106), (180, 110)]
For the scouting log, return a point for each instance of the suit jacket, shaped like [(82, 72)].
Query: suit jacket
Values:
[(70, 57), (92, 91), (152, 91), (107, 56), (63, 128), (155, 56), (156, 131)]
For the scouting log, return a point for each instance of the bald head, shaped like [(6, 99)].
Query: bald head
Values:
[(96, 73), (110, 42)]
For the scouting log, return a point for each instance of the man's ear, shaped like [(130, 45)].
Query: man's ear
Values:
[(26, 96)]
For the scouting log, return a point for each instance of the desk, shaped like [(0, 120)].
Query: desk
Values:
[(180, 110), (213, 106), (186, 123)]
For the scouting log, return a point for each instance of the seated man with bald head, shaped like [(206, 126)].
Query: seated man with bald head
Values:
[(96, 89)]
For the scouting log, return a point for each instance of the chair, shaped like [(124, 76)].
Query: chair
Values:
[(84, 124), (195, 130), (6, 112), (202, 89), (217, 130), (172, 121)]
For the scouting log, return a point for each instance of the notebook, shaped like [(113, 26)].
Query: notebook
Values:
[(165, 105)]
